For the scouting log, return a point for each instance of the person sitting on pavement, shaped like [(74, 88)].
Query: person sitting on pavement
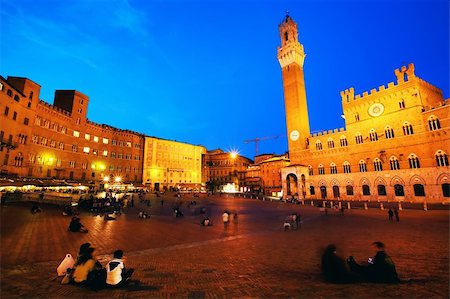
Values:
[(334, 268), (76, 226), (379, 269), (206, 222), (35, 209), (84, 265), (116, 274)]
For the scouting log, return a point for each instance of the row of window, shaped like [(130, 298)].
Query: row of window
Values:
[(15, 116), (433, 124), (58, 128), (399, 190), (441, 159)]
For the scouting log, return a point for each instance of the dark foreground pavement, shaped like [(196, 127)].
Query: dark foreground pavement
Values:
[(254, 257)]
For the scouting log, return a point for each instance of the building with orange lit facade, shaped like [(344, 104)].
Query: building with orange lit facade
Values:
[(265, 174), (171, 164), (394, 146), (40, 140), (224, 171)]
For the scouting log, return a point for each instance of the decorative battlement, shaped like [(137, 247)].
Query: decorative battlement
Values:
[(110, 128), (403, 74), (327, 132), (54, 108)]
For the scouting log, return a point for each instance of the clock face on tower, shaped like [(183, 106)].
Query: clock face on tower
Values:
[(294, 135), (376, 109)]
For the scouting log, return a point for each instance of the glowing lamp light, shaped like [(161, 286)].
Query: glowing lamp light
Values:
[(106, 179), (117, 179), (233, 155)]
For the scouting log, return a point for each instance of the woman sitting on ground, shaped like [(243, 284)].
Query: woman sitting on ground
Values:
[(84, 265)]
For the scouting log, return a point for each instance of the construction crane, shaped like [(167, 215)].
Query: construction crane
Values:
[(258, 139)]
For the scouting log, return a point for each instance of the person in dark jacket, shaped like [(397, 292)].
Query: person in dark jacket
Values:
[(334, 268), (379, 269)]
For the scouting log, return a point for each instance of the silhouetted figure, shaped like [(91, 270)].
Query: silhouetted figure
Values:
[(379, 269), (391, 214), (76, 226), (396, 215), (334, 268)]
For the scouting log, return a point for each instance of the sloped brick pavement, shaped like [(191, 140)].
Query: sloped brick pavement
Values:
[(254, 257)]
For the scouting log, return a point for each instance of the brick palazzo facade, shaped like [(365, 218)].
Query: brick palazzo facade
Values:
[(40, 140), (395, 144)]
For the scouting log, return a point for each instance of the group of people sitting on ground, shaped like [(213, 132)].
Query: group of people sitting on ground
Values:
[(292, 221), (88, 271), (379, 269), (206, 222), (76, 226), (143, 215)]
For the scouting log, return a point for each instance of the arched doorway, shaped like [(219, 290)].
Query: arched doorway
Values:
[(303, 185), (336, 193), (323, 192), (292, 183)]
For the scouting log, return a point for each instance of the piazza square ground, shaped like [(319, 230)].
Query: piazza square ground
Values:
[(253, 258)]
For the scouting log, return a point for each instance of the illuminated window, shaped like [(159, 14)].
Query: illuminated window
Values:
[(86, 149), (407, 129), (105, 141), (389, 132), (393, 161), (378, 166), (321, 169), (433, 123), (330, 143), (113, 155), (343, 141), (373, 135), (76, 134), (128, 144), (105, 153), (362, 166), (441, 158), (318, 145), (413, 161), (347, 168), (333, 168), (359, 138), (74, 148), (72, 164), (95, 139), (87, 136)]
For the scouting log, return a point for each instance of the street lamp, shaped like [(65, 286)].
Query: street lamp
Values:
[(117, 179)]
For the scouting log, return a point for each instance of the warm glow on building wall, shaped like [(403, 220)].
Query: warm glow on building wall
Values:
[(394, 146), (40, 140), (170, 164)]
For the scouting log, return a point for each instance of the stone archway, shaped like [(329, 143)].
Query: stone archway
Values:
[(292, 183)]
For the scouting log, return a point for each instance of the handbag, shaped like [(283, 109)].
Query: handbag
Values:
[(67, 263)]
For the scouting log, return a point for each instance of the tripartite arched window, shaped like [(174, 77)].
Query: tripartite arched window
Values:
[(318, 145), (333, 168), (373, 135), (359, 138), (393, 161), (343, 140), (362, 166), (389, 132), (413, 161), (433, 123), (407, 128), (18, 160), (441, 158), (377, 165), (347, 168), (330, 142), (321, 169)]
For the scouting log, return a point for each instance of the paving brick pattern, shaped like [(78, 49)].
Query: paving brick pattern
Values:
[(253, 258)]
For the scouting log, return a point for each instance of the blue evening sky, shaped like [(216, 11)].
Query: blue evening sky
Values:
[(206, 72)]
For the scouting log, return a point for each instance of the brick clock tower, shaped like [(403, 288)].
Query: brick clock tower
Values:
[(291, 57)]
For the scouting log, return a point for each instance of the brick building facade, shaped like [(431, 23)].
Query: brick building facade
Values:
[(395, 144), (41, 140)]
